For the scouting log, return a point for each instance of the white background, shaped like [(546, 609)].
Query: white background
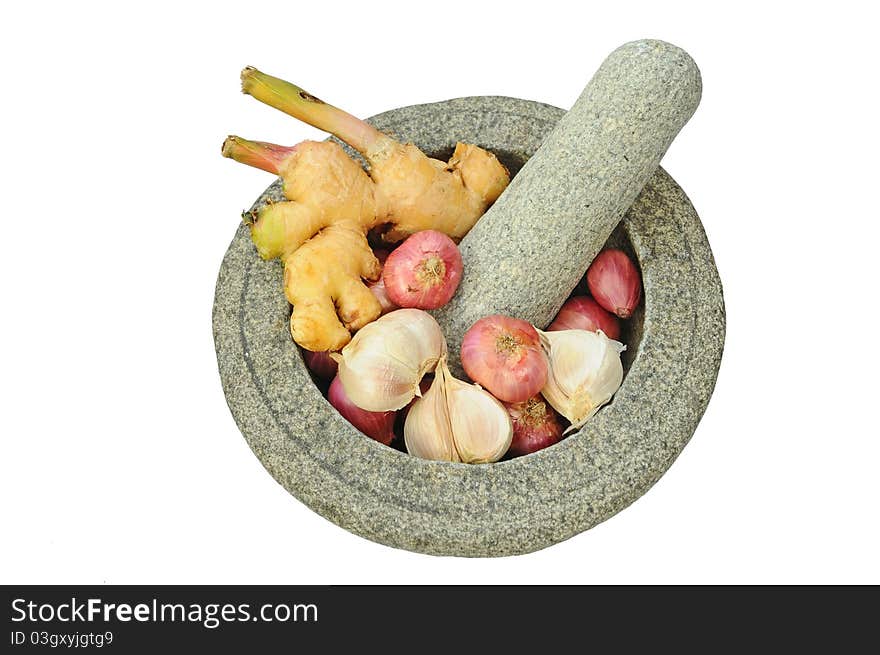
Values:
[(121, 462)]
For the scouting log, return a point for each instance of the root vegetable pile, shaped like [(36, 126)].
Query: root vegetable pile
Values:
[(320, 231)]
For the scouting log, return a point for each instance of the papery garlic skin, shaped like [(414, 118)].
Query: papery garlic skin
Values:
[(585, 372), (382, 365), (427, 432), (481, 427)]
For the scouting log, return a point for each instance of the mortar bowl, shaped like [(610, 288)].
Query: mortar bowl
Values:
[(674, 347)]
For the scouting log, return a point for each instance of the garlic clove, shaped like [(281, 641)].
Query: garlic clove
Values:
[(427, 431), (585, 372), (481, 427), (481, 432), (381, 367)]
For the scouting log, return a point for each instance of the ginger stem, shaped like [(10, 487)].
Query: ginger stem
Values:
[(259, 154), (302, 105)]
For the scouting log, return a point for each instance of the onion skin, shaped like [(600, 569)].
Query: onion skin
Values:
[(505, 357), (614, 282), (536, 425), (584, 313), (376, 425), (378, 287), (321, 364), (424, 271)]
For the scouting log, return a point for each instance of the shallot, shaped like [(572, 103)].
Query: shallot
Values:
[(321, 364), (615, 283), (584, 313), (376, 425), (424, 271), (504, 355), (535, 426)]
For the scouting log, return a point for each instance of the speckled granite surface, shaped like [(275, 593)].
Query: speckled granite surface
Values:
[(675, 343), (566, 201)]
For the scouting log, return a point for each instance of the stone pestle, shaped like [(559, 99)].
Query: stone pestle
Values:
[(528, 252)]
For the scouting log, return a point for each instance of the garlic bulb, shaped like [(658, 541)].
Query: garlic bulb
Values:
[(455, 421), (381, 367), (427, 431), (585, 372)]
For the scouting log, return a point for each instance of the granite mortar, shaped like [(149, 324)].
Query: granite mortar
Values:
[(514, 506)]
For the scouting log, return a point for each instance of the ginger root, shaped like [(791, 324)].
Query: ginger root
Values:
[(320, 231)]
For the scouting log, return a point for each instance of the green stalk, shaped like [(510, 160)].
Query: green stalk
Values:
[(259, 154), (301, 104)]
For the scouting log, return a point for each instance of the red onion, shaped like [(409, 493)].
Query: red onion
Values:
[(504, 355), (535, 426), (584, 313), (377, 425), (378, 287), (614, 282), (320, 363), (424, 271)]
